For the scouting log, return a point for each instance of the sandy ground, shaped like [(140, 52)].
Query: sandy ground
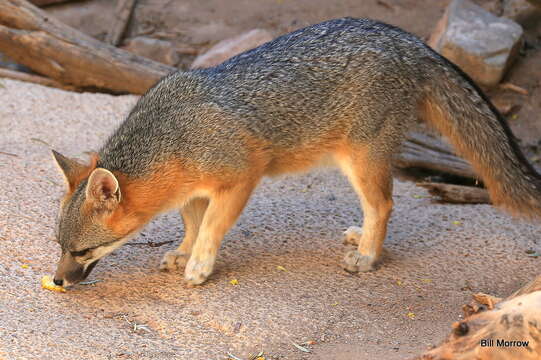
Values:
[(436, 257)]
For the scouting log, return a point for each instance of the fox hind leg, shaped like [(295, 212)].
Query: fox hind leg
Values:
[(370, 175), (192, 216)]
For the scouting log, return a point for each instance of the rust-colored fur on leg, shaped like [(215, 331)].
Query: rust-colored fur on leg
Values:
[(225, 205), (370, 175), (192, 216)]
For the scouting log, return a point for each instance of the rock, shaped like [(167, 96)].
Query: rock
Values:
[(521, 10), (482, 44), (228, 48), (513, 8), (155, 49)]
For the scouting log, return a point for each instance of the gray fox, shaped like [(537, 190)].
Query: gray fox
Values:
[(200, 141)]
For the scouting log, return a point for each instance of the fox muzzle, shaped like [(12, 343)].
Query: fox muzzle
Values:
[(70, 272)]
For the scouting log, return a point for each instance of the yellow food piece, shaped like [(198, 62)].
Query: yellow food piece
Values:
[(48, 284), (234, 282)]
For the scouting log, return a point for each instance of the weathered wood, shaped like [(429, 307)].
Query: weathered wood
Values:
[(532, 286), (457, 194), (17, 75), (122, 15), (426, 152), (514, 319), (47, 2), (32, 38), (490, 317)]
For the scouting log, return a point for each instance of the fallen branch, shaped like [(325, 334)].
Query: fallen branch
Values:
[(32, 38), (457, 194), (513, 87), (532, 286), (151, 244), (385, 5), (8, 154), (17, 75), (47, 2), (426, 152), (516, 318), (123, 12)]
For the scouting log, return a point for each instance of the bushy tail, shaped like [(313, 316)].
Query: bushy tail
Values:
[(456, 107)]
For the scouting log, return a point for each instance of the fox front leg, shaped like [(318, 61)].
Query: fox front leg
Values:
[(192, 216), (223, 210)]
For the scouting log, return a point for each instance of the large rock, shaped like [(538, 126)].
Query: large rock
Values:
[(522, 10), (482, 44), (155, 49), (228, 48)]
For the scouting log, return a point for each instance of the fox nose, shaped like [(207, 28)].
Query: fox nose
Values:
[(58, 282)]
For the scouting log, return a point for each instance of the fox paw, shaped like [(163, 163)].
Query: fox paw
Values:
[(352, 236), (197, 271), (355, 262), (173, 260)]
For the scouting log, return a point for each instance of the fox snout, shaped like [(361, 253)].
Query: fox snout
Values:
[(70, 272)]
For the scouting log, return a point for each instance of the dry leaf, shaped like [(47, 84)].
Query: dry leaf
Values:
[(487, 300)]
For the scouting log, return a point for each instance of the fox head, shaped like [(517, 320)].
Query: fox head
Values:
[(85, 227)]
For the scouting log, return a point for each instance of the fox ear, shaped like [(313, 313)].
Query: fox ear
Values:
[(103, 188), (73, 171)]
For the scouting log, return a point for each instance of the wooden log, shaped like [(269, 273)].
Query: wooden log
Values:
[(532, 286), (32, 38), (457, 194), (426, 152), (17, 75), (48, 2), (122, 15), (515, 318)]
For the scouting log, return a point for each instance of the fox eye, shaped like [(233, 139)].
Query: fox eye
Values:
[(79, 253)]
